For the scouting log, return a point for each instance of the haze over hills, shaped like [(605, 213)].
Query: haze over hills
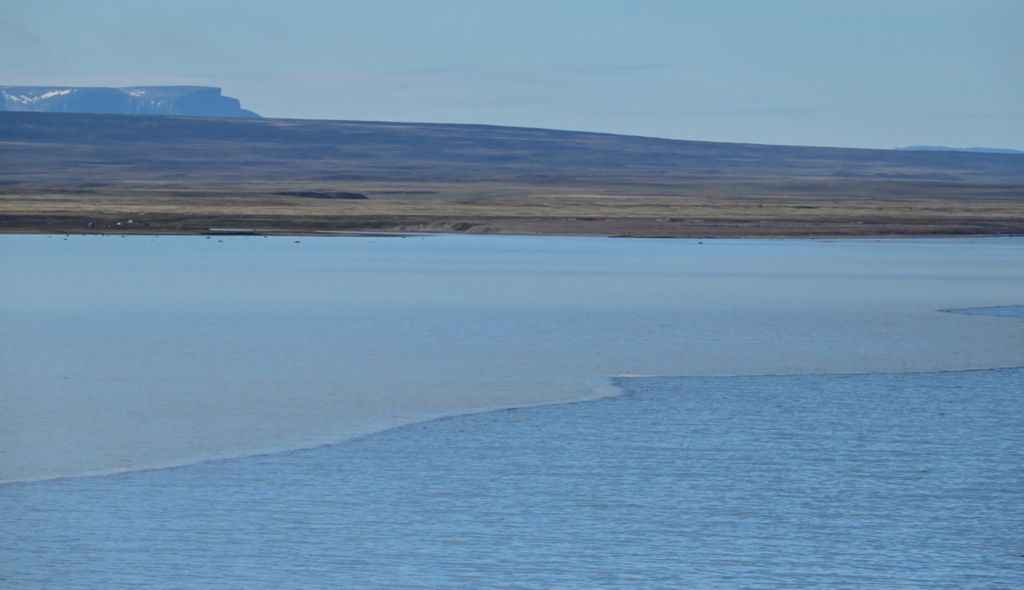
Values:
[(196, 101), (67, 171)]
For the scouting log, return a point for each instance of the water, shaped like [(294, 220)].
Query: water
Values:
[(1004, 311), (126, 353), (842, 481), (836, 430)]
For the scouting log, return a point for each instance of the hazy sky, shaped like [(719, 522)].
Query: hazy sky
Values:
[(873, 73)]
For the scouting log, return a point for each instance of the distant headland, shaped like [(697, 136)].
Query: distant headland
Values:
[(194, 101)]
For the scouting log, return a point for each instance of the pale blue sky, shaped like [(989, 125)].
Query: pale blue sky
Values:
[(871, 73)]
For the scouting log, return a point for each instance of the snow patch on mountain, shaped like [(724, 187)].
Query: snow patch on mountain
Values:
[(196, 101)]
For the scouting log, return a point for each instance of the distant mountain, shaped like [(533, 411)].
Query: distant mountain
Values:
[(942, 148), (195, 101)]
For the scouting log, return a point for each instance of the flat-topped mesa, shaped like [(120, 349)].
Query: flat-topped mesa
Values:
[(195, 101)]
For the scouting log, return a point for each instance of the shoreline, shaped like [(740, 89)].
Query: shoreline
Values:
[(399, 233), (608, 215)]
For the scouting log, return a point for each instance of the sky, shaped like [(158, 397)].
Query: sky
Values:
[(857, 73)]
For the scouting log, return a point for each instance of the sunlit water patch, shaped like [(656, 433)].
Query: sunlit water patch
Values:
[(847, 481)]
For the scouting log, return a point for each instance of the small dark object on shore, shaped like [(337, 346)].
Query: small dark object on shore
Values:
[(324, 195)]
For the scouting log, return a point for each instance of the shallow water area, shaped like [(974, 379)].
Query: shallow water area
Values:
[(140, 352)]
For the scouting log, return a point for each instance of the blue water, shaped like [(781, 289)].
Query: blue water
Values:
[(126, 353), (120, 355), (839, 481), (1003, 311)]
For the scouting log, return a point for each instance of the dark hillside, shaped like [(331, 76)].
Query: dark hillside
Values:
[(226, 149)]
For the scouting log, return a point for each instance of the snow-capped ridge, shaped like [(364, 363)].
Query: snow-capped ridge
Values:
[(197, 101)]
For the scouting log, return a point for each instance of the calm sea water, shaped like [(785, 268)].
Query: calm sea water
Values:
[(767, 467), (128, 353), (840, 481), (1001, 311)]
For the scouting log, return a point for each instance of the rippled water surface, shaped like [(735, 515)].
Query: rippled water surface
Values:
[(835, 430), (855, 481)]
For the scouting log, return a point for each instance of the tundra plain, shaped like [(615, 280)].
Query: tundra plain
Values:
[(81, 173)]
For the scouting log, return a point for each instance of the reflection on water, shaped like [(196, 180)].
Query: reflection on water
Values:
[(846, 481)]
